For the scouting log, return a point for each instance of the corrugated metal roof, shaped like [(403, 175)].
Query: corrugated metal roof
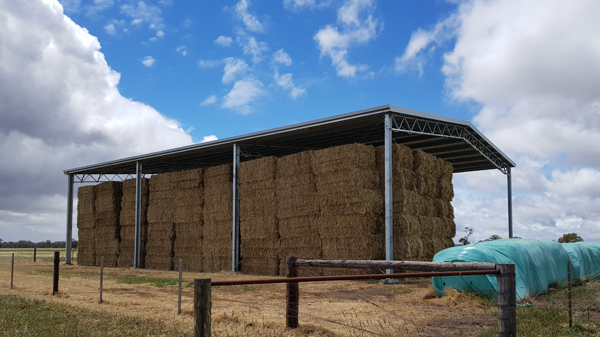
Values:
[(454, 140)]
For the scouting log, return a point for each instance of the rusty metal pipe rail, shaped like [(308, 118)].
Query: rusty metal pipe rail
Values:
[(352, 277)]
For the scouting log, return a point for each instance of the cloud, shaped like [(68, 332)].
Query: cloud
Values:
[(208, 63), (224, 41), (160, 33), (182, 50), (285, 81), (531, 77), (110, 29), (356, 26), (244, 92), (98, 6), (282, 57), (297, 5), (212, 99), (144, 13), (252, 47), (249, 20), (233, 68), (209, 139), (187, 23), (148, 61), (61, 109)]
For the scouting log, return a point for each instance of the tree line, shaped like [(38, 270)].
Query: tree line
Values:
[(30, 244), (566, 238)]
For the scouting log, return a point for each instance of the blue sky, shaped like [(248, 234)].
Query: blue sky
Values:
[(86, 81)]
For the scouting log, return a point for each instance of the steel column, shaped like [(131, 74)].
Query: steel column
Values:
[(138, 214), (235, 250), (389, 231), (69, 244), (510, 218)]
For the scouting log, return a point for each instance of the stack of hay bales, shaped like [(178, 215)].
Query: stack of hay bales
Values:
[(423, 223), (86, 246), (188, 203), (351, 205), (107, 230), (161, 231), (259, 231), (218, 215), (297, 211), (128, 223)]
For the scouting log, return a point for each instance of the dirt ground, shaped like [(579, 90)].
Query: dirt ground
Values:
[(326, 308)]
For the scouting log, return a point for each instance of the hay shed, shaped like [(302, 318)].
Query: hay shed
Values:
[(399, 182)]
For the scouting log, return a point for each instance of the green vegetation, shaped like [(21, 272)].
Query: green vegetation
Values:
[(26, 254), (549, 316), (157, 282), (21, 316), (248, 288), (571, 237)]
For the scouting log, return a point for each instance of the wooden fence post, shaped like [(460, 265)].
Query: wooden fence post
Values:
[(34, 253), (292, 295), (202, 307), (12, 270), (180, 280), (101, 276), (56, 263), (507, 300)]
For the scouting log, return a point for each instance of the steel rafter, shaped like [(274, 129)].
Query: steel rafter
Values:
[(433, 128), (99, 178)]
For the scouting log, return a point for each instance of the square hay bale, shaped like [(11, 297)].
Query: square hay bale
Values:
[(351, 202), (260, 256), (405, 224), (402, 166), (426, 185), (258, 208), (86, 196), (301, 226), (297, 164), (267, 228), (292, 186), (260, 189), (345, 179), (86, 247), (441, 243), (424, 162), (257, 170), (160, 182), (416, 247), (129, 187), (448, 228), (427, 226), (350, 226), (300, 205), (352, 155), (217, 254), (445, 190)]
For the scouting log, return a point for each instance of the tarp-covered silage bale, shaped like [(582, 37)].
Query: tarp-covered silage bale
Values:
[(585, 259), (537, 265)]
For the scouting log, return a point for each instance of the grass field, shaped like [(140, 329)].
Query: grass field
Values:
[(144, 302), (26, 254)]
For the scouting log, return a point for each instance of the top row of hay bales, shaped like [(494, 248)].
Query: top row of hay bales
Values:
[(325, 204)]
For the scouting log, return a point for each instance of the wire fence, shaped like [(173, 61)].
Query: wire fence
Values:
[(343, 307)]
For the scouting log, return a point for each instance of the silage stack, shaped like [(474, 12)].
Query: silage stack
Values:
[(107, 229), (351, 205), (297, 212), (218, 214), (161, 231), (259, 243), (86, 246), (127, 220), (187, 216)]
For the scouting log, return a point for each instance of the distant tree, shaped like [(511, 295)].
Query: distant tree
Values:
[(571, 237), (494, 237), (465, 239)]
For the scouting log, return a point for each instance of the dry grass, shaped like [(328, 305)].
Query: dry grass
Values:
[(326, 309)]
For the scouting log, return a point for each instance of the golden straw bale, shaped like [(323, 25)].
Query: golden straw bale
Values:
[(189, 213), (402, 157), (257, 170), (217, 229), (159, 214), (260, 256), (405, 224), (86, 247), (129, 186), (446, 190), (301, 226), (299, 205), (416, 246), (189, 196), (355, 225), (288, 187), (217, 254), (351, 202), (257, 189), (402, 250), (219, 171), (258, 208), (441, 243), (449, 228), (444, 169), (426, 226), (347, 179), (423, 162), (267, 228), (428, 248), (296, 164), (351, 155), (426, 185), (189, 230)]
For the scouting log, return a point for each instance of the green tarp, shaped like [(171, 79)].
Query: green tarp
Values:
[(585, 259)]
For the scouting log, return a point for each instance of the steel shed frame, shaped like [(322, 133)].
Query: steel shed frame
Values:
[(456, 141)]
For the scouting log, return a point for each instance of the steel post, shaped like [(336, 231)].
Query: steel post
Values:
[(510, 218), (389, 233), (69, 245), (138, 214), (235, 250)]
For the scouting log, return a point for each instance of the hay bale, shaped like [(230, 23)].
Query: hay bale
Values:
[(353, 155), (445, 190), (405, 224), (350, 226), (424, 162), (426, 185), (86, 197), (302, 205), (440, 243), (260, 255), (352, 178), (402, 167), (351, 202), (107, 229), (367, 247), (86, 247), (257, 170), (218, 215)]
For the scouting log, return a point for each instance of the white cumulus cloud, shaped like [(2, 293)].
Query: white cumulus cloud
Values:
[(209, 138), (285, 81), (233, 68), (249, 20), (224, 41), (212, 99), (282, 57), (61, 109), (148, 61), (243, 93)]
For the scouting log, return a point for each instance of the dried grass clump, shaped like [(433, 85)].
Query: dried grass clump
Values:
[(188, 205), (86, 209), (107, 229), (259, 231), (218, 214), (127, 220)]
